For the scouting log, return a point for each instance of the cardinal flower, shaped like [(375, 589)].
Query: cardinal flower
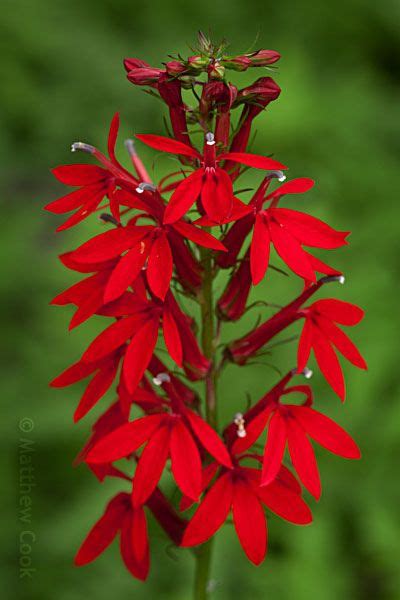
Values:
[(175, 435), (94, 182), (287, 230), (139, 327), (211, 182), (141, 245), (238, 491), (322, 335), (293, 425), (120, 516)]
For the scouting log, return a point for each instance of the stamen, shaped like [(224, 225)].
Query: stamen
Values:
[(161, 378), (307, 373), (146, 187), (130, 146), (240, 422), (280, 175), (82, 147), (210, 139), (329, 278)]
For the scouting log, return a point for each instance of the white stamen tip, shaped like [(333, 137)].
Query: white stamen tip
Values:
[(307, 373), (342, 279), (145, 187), (161, 378), (130, 146), (280, 175), (210, 139), (241, 433), (332, 278), (82, 147), (239, 422)]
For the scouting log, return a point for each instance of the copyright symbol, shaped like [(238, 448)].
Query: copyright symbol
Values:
[(26, 425)]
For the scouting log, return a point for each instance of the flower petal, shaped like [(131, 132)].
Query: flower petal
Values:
[(259, 250), (274, 448), (253, 160), (339, 311), (184, 196), (211, 513), (159, 267), (185, 461), (165, 144), (151, 465), (250, 522), (209, 438), (328, 363), (303, 458), (290, 251), (128, 268), (172, 336), (124, 440), (139, 353), (198, 236)]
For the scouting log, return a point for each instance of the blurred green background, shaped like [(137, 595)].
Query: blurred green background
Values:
[(337, 121)]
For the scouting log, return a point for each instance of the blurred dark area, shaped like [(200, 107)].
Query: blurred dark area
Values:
[(337, 121)]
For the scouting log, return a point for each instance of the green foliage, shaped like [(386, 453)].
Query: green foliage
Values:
[(337, 121)]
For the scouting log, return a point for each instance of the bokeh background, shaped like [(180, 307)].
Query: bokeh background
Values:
[(337, 121)]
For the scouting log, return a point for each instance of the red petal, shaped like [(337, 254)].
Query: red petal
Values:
[(217, 196), (139, 353), (71, 201), (151, 465), (328, 363), (96, 389), (165, 144), (274, 448), (290, 251), (138, 569), (342, 343), (326, 432), (260, 249), (253, 160), (303, 458), (127, 270), (209, 438), (309, 230), (185, 461), (250, 522), (305, 344), (79, 174), (285, 503), (339, 311), (124, 440), (172, 337), (198, 236), (160, 265), (74, 373), (111, 338), (104, 531), (211, 513), (184, 197), (112, 136), (295, 186), (109, 244)]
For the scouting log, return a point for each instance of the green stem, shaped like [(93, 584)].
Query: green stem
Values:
[(204, 552)]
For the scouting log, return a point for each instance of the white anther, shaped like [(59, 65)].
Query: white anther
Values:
[(331, 278), (161, 378), (280, 175), (146, 187), (239, 422), (82, 147), (130, 146), (307, 373), (210, 139)]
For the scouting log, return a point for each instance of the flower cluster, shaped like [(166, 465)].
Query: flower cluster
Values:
[(168, 240)]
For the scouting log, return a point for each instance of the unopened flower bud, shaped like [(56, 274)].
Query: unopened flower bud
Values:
[(216, 70), (198, 62), (238, 63), (262, 58), (174, 67)]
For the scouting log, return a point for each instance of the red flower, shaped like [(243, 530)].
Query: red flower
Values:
[(94, 182), (287, 230), (293, 425), (176, 435), (140, 326), (148, 245), (210, 181), (321, 334), (238, 491)]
